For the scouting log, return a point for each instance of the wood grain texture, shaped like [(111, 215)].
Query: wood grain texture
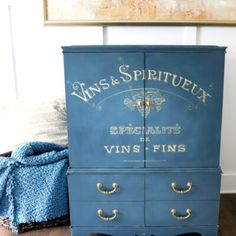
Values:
[(227, 221), (228, 215)]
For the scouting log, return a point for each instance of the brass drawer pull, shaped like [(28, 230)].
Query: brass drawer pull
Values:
[(107, 192), (188, 214), (181, 191), (108, 218)]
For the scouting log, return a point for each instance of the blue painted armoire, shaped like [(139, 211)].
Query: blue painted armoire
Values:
[(144, 126)]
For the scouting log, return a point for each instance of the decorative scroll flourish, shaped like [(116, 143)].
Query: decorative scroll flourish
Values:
[(144, 101)]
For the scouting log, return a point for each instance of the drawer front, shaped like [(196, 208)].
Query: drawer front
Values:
[(107, 213), (183, 186), (86, 187), (186, 213)]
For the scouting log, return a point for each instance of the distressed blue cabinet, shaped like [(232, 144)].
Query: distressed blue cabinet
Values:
[(144, 127)]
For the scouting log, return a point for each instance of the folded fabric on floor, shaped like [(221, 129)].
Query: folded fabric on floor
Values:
[(33, 184)]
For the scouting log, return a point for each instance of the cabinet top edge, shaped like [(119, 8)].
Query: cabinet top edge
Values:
[(142, 170), (142, 48)]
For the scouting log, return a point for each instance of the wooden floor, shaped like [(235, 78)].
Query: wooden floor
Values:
[(227, 221), (228, 215)]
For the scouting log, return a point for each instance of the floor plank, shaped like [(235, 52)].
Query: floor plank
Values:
[(228, 215)]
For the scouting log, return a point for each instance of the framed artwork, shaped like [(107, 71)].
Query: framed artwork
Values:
[(140, 12)]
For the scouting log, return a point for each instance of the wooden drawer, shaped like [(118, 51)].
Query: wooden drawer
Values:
[(103, 213), (104, 187), (180, 185), (181, 213)]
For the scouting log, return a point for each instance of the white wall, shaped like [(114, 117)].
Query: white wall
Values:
[(33, 63)]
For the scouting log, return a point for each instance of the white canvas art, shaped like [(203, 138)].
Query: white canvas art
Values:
[(140, 11)]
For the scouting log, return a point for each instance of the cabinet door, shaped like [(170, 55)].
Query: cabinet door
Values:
[(183, 93), (104, 125)]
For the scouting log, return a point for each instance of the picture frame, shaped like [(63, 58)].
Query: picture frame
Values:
[(102, 12)]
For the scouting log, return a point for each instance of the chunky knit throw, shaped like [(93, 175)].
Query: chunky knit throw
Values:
[(33, 184)]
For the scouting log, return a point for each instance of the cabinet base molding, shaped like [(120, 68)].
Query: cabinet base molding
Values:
[(150, 231)]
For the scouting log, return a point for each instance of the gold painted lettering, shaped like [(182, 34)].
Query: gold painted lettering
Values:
[(186, 84), (123, 69), (125, 149), (166, 74), (80, 92), (159, 75), (204, 96), (176, 80), (171, 148), (95, 89), (109, 149), (152, 75), (193, 90), (137, 73), (136, 148), (156, 148), (103, 83), (181, 148)]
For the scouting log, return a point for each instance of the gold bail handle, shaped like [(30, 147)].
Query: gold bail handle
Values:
[(105, 191), (181, 191), (108, 218), (181, 217)]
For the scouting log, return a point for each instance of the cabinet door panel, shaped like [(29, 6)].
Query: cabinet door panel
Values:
[(100, 109), (184, 116)]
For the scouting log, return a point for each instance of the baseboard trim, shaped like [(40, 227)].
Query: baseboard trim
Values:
[(228, 183)]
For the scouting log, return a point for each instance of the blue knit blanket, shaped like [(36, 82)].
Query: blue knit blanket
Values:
[(33, 185)]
